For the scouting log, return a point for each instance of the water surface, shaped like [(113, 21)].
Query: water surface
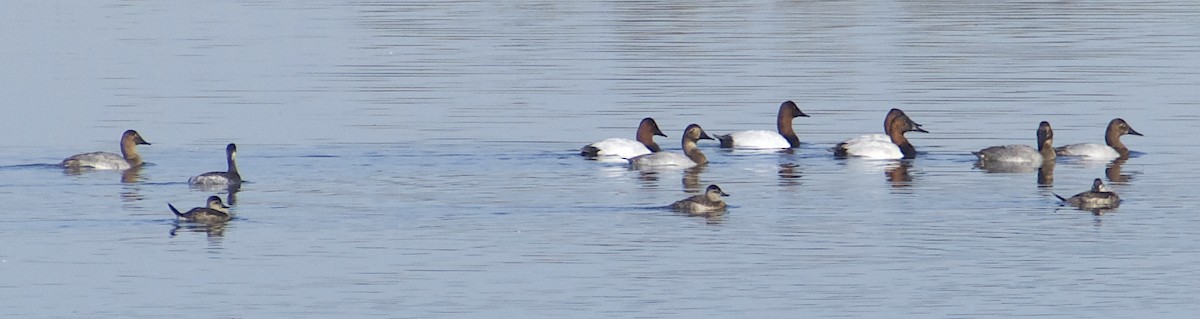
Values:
[(419, 159)]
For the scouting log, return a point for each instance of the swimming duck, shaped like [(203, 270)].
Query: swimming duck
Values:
[(1112, 137), (1099, 196), (707, 203), (214, 212), (691, 154), (785, 137), (626, 148), (1022, 154), (104, 160), (228, 177), (893, 145)]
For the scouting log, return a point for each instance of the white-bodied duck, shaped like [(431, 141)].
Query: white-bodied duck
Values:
[(891, 145), (784, 137)]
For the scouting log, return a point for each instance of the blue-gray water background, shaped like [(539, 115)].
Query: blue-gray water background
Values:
[(416, 159)]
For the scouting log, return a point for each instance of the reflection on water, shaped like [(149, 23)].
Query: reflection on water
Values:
[(1114, 174), (1006, 167), (709, 219), (1045, 171), (897, 173), (132, 175), (451, 181), (230, 190), (691, 179), (216, 230), (1045, 177), (789, 174), (1096, 211)]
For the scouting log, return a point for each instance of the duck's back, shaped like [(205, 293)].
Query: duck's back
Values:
[(1094, 199), (874, 146), (96, 160), (206, 215), (662, 159), (615, 147), (213, 178), (754, 139), (697, 205), (1010, 153), (1088, 150)]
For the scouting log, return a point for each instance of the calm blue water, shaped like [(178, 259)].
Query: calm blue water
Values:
[(418, 160)]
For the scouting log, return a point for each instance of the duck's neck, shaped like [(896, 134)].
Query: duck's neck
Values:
[(1113, 139), (232, 170), (906, 148), (646, 137), (693, 152), (785, 129), (1046, 173), (130, 153), (651, 145), (1046, 148)]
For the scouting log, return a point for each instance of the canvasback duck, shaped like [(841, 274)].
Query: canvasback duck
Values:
[(214, 212), (1020, 153), (1112, 137), (104, 160), (691, 154), (228, 177), (785, 137), (624, 148), (1099, 196), (893, 145), (708, 203)]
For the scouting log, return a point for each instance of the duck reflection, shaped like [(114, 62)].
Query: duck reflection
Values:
[(131, 180), (897, 173), (648, 177), (230, 191), (231, 197), (210, 230), (712, 219), (1046, 174), (691, 178), (132, 175), (789, 174), (1113, 171), (1045, 171), (1006, 167)]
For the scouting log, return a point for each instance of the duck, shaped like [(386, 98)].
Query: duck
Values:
[(1022, 154), (214, 212), (691, 153), (708, 203), (1100, 196), (892, 145), (626, 148), (129, 157), (1112, 137), (785, 137), (229, 177)]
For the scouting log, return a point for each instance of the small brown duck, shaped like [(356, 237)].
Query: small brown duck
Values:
[(1099, 196), (708, 203), (214, 212)]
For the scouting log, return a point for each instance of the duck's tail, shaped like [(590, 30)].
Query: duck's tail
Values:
[(589, 151), (726, 140), (839, 150), (1059, 197), (173, 210)]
